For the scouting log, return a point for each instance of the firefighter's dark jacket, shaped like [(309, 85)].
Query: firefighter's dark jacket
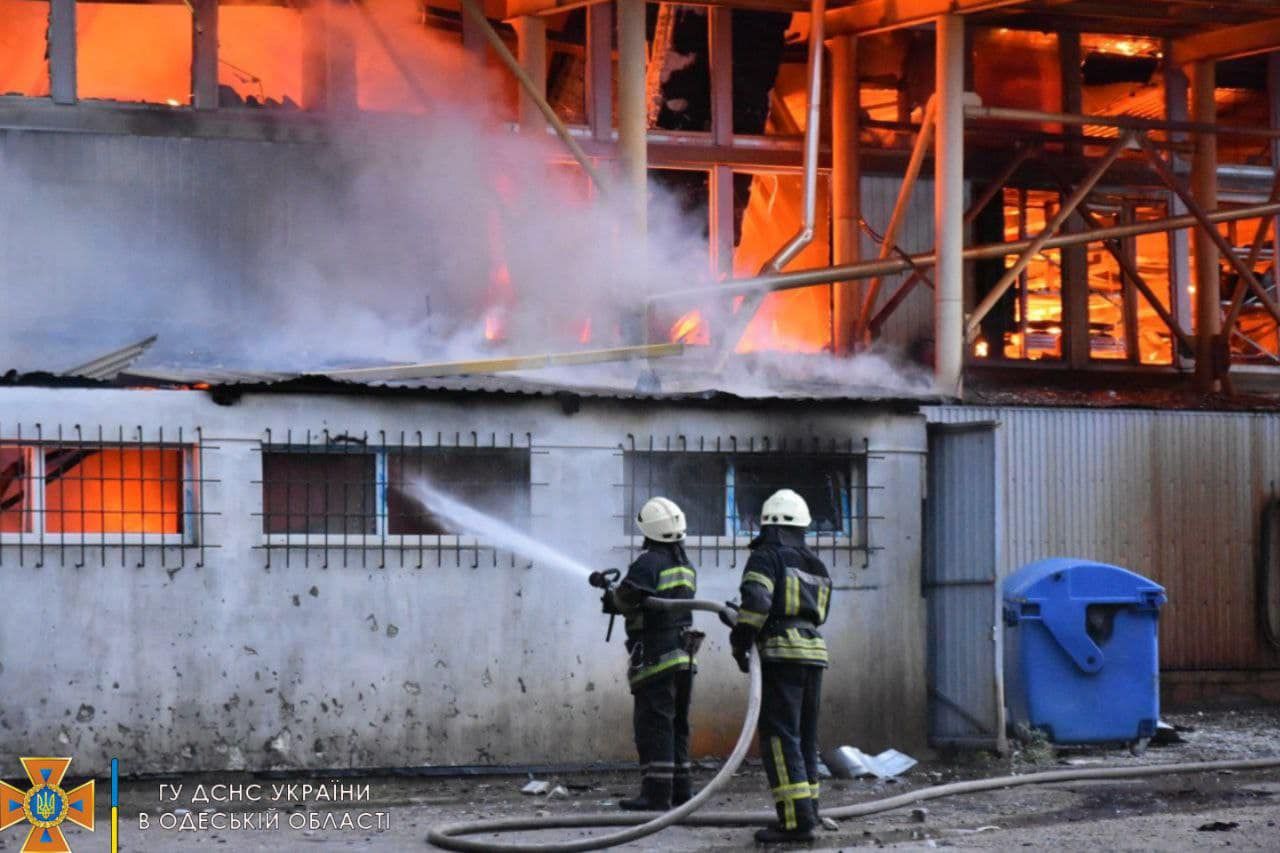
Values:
[(785, 591), (655, 638)]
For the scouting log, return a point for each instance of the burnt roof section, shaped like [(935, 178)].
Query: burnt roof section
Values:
[(227, 384)]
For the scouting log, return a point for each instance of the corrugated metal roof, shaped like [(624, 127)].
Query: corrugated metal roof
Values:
[(690, 386)]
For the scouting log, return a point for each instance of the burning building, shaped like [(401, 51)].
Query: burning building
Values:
[(986, 281)]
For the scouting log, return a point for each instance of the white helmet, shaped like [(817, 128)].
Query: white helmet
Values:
[(661, 520), (785, 507)]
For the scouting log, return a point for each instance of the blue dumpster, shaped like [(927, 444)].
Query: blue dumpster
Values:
[(1081, 651)]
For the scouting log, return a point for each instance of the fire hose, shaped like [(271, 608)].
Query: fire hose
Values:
[(448, 836)]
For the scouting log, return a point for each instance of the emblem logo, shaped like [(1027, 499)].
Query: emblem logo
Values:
[(45, 805)]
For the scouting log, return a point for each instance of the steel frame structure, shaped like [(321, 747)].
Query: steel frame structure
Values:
[(944, 129)]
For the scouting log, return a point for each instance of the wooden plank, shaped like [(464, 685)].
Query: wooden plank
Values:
[(1228, 42), (869, 16)]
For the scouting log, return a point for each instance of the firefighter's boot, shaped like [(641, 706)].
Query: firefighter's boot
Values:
[(682, 790), (801, 831), (655, 796)]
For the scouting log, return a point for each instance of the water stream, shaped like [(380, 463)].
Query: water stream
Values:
[(494, 531)]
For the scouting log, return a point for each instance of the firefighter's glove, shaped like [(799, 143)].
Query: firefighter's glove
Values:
[(742, 654), (609, 604)]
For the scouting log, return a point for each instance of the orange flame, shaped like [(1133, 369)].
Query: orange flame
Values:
[(692, 329), (493, 327)]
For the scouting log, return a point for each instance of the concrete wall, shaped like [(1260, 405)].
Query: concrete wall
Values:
[(215, 666)]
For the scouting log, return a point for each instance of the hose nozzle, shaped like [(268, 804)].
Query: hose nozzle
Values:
[(604, 579)]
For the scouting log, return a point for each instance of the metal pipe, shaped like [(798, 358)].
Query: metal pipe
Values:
[(948, 206), (1125, 122), (866, 269), (1037, 243), (476, 15), (809, 215), (632, 110), (924, 139), (404, 372), (812, 139)]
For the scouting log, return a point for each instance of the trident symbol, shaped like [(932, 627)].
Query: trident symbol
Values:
[(46, 804)]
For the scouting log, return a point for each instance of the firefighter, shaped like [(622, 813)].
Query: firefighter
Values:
[(785, 593), (662, 649)]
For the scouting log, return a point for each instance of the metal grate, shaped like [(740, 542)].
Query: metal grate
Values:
[(721, 485), (325, 492), (130, 495)]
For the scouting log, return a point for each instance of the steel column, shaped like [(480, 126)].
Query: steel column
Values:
[(632, 109), (948, 206), (62, 51), (1273, 95), (1176, 88), (600, 71), (720, 47), (1204, 178), (531, 47), (204, 54), (1074, 266), (846, 186)]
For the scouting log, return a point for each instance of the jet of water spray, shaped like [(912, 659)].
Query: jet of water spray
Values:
[(497, 532)]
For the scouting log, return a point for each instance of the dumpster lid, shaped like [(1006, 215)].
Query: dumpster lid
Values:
[(1057, 592), (1086, 580)]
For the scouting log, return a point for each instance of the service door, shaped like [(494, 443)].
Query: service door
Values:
[(962, 501)]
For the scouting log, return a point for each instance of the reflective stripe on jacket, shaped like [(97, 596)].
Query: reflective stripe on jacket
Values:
[(655, 638), (786, 594)]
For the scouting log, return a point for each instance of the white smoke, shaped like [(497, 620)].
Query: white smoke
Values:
[(393, 241)]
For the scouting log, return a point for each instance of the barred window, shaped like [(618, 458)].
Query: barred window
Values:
[(61, 489), (722, 492), (346, 488), (319, 492), (492, 480), (695, 481), (15, 494)]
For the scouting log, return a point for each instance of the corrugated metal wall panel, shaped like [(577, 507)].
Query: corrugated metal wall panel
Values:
[(913, 319), (960, 586), (1172, 495)]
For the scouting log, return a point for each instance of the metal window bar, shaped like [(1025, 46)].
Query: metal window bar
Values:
[(362, 508), (119, 493), (848, 485)]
